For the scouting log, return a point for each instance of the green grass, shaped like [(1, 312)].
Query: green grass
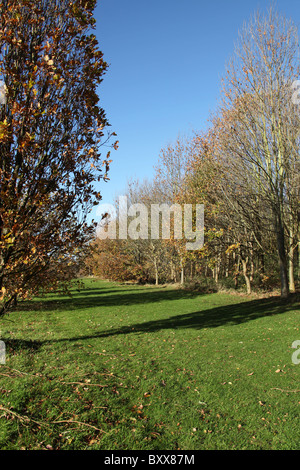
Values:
[(137, 367)]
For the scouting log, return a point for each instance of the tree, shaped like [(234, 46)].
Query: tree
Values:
[(169, 183), (257, 138), (51, 130)]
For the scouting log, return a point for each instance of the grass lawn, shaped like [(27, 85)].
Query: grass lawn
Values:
[(139, 367)]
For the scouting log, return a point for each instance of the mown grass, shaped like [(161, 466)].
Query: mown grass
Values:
[(133, 367)]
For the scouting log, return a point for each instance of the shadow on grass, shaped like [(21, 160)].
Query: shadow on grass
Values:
[(233, 314), (209, 318), (20, 345), (102, 297)]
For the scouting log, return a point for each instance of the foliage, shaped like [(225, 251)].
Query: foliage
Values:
[(51, 130)]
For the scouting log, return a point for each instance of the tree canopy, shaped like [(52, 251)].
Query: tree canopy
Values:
[(52, 132)]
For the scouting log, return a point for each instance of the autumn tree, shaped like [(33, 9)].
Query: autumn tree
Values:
[(259, 141), (51, 131), (169, 183)]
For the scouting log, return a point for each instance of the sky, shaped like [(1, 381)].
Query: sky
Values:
[(166, 60)]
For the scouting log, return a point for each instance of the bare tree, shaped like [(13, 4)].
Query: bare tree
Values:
[(258, 139)]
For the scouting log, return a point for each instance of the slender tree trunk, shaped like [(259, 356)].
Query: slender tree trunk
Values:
[(291, 257), (236, 267), (156, 271), (252, 268), (227, 265), (173, 272), (262, 263), (291, 273), (182, 271), (247, 279), (219, 264), (216, 274), (284, 282), (216, 269), (291, 268)]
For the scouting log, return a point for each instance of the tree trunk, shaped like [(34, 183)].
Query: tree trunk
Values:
[(156, 271), (11, 302), (227, 265), (291, 268), (247, 279), (236, 268), (291, 257), (182, 271), (216, 274), (262, 263), (291, 276), (282, 259), (173, 272), (252, 268)]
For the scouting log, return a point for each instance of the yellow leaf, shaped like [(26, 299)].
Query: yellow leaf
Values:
[(3, 290)]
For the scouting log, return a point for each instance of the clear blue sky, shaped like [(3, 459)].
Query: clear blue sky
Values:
[(166, 59)]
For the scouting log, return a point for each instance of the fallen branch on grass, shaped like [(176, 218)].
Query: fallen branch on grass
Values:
[(40, 423), (13, 375), (21, 417)]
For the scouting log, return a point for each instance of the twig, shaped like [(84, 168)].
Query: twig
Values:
[(77, 422), (25, 418), (13, 371), (20, 372), (287, 391), (22, 418), (104, 354), (86, 384)]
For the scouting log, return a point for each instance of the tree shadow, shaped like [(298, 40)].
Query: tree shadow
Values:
[(18, 345), (233, 314), (101, 297)]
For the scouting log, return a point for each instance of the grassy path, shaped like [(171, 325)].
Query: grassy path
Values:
[(119, 367)]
